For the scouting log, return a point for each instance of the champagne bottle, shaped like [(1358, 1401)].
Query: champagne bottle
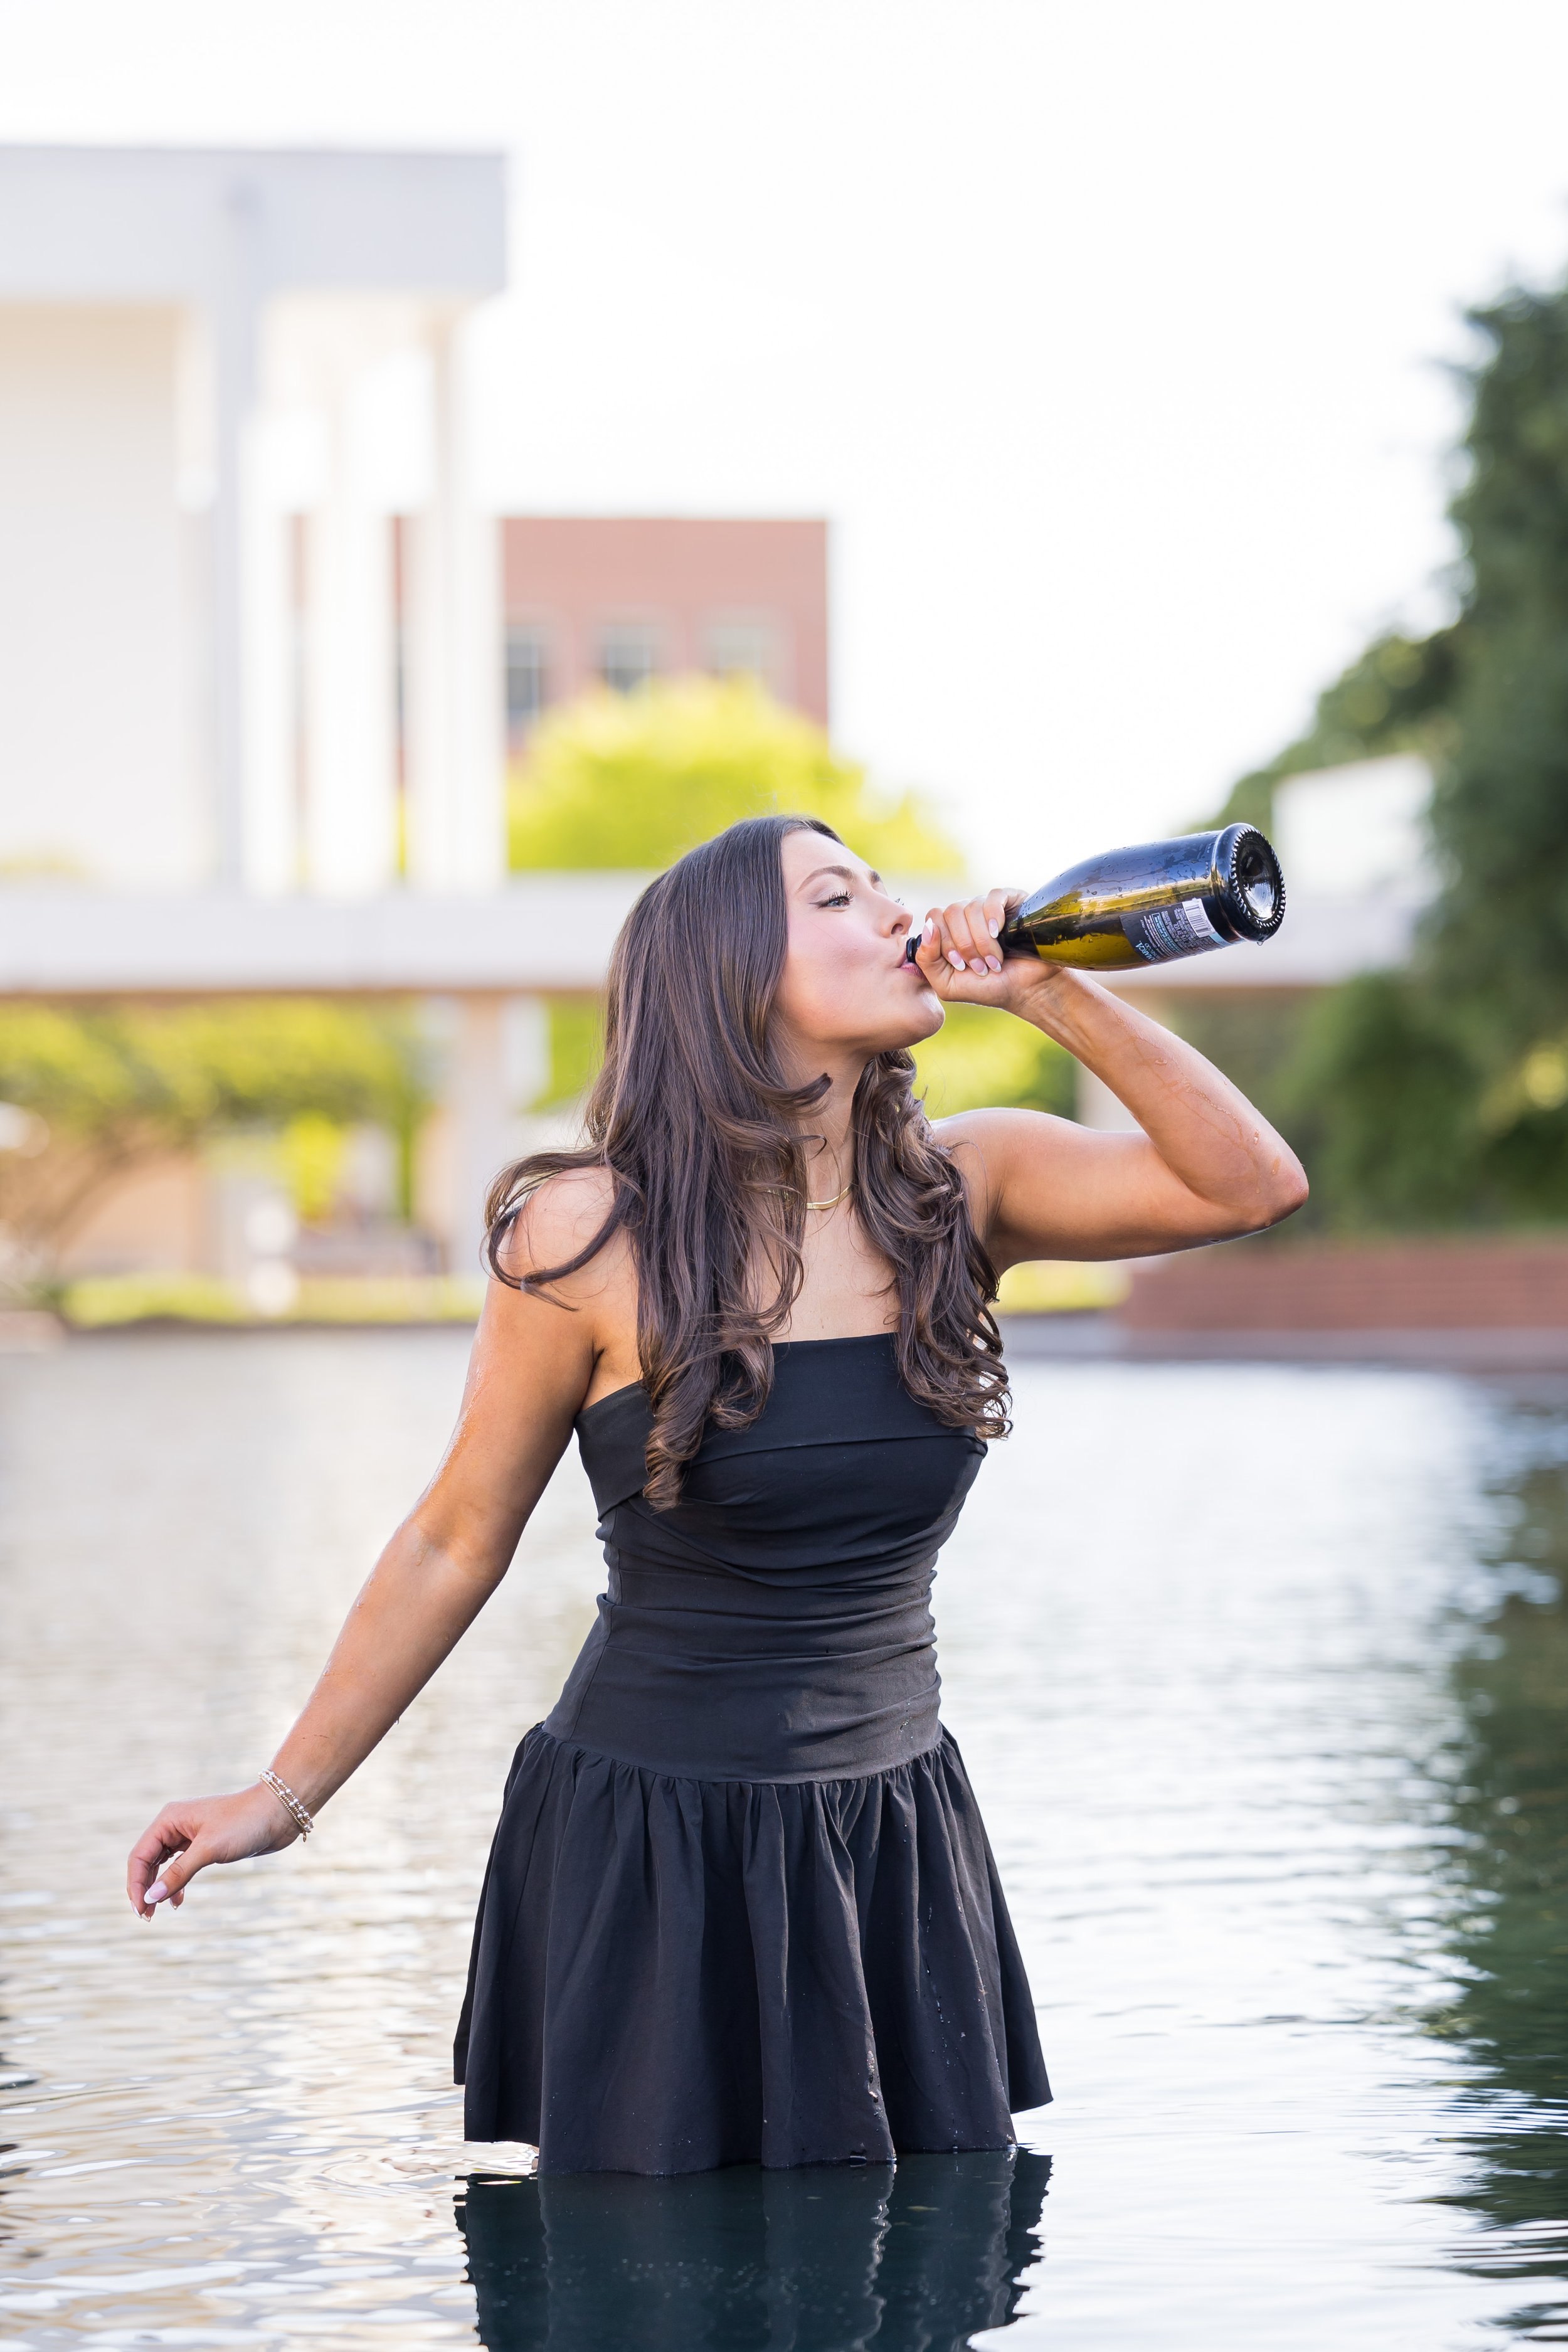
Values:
[(1151, 904)]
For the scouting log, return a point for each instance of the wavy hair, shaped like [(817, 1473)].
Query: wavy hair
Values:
[(704, 1138)]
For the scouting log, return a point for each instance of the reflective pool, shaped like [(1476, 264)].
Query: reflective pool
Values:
[(1261, 1675)]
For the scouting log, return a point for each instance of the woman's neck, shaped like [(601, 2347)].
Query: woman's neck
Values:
[(827, 1133)]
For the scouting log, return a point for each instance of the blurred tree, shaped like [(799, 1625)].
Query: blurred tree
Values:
[(91, 1094), (1396, 696), (576, 1049), (1383, 1103), (635, 780), (1500, 945), (1442, 1096), (979, 1058), (312, 1152)]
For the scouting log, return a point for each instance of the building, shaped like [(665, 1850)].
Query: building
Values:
[(614, 601), (263, 653), (232, 408), (222, 375)]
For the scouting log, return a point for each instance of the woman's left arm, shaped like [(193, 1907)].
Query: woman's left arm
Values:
[(1203, 1166)]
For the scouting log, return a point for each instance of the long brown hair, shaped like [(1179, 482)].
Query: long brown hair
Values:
[(705, 1140)]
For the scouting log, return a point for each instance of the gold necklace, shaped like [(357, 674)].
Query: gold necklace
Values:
[(837, 1198)]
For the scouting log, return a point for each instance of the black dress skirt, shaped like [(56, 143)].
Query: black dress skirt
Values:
[(741, 1906)]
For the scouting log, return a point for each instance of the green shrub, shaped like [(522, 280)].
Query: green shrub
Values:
[(634, 781)]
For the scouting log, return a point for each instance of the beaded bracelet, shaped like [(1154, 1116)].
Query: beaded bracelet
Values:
[(290, 1801)]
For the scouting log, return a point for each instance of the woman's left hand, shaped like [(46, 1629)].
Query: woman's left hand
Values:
[(960, 957)]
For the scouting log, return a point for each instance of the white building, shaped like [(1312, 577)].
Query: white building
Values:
[(250, 701), (222, 377)]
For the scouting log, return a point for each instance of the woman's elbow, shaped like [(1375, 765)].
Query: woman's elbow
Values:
[(1276, 1191), (1283, 1190)]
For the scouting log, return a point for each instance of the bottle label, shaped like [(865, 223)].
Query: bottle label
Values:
[(1166, 932)]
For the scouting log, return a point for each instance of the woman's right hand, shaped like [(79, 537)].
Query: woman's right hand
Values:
[(195, 1830)]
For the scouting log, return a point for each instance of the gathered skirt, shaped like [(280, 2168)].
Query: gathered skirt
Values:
[(671, 1974)]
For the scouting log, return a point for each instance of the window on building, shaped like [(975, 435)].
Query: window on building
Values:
[(527, 680), (628, 655), (744, 646)]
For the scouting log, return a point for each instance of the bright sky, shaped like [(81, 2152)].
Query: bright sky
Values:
[(1111, 338)]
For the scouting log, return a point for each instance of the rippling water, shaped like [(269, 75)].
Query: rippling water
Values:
[(1261, 1677)]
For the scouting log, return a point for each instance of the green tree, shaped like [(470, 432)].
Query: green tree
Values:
[(1383, 1103), (635, 780), (1500, 947), (1442, 1096), (978, 1058), (1396, 696), (91, 1094)]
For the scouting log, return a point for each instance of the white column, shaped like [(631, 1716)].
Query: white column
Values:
[(270, 846), (495, 1055), (351, 774), (232, 321), (455, 767)]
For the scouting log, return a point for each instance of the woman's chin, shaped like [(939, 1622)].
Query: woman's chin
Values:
[(925, 1018)]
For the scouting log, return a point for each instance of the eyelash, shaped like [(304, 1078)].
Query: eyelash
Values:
[(839, 899)]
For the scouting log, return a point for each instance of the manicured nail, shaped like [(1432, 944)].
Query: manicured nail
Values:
[(995, 931), (156, 1892), (992, 963), (955, 960)]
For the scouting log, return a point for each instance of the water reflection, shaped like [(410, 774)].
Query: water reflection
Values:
[(1508, 1930), (916, 2259)]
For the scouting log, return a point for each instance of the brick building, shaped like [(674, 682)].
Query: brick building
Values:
[(615, 600)]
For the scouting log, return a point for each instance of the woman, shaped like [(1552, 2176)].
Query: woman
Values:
[(740, 1903)]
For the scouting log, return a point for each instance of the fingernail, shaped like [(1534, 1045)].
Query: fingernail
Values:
[(995, 931), (992, 963), (156, 1892), (955, 960)]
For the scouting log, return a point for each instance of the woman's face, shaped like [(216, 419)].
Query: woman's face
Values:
[(845, 987)]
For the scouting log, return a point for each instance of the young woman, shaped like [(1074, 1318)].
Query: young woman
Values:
[(740, 1903)]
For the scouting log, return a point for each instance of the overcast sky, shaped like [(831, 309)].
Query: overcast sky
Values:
[(1111, 338)]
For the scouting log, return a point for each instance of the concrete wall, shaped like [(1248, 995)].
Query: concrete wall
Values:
[(100, 713)]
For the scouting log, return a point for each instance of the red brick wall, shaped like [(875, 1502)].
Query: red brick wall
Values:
[(1252, 1286), (574, 574)]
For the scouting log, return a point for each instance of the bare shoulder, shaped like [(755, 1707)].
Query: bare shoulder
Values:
[(579, 1329), (558, 1221), (538, 1350)]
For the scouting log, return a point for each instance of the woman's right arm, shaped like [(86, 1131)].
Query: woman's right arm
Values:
[(531, 1368)]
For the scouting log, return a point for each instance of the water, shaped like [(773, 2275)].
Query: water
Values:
[(1262, 1679)]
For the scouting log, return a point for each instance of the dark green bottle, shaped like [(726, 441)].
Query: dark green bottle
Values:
[(1152, 904)]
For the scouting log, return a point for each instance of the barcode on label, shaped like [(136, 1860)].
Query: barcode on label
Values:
[(1166, 932)]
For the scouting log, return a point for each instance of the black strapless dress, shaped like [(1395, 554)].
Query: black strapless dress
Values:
[(741, 1906)]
